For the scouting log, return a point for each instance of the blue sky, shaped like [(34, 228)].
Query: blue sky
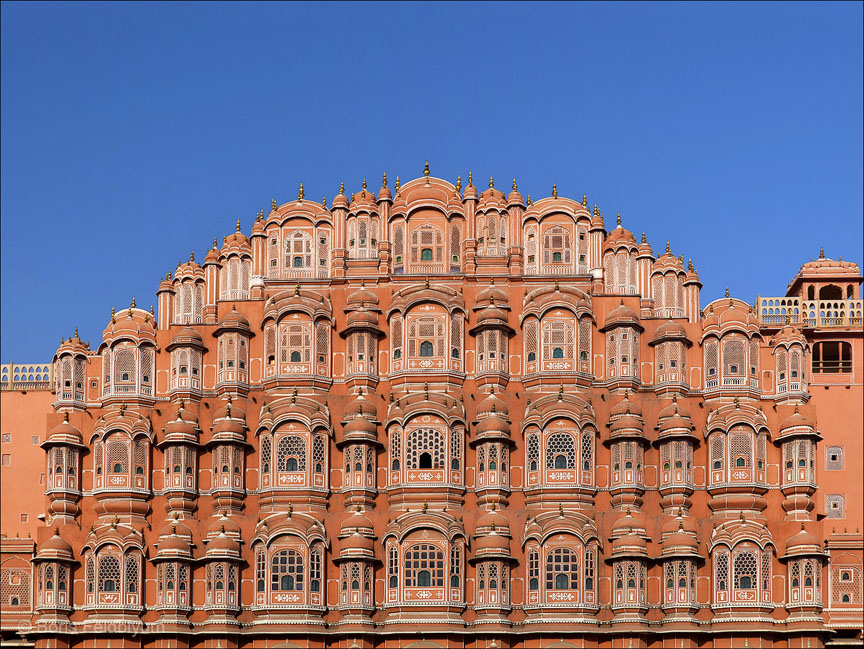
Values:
[(133, 134)]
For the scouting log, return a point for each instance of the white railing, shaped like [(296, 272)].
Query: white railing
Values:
[(556, 269), (810, 313)]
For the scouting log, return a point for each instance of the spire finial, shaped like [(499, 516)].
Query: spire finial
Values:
[(237, 227), (215, 243), (690, 265), (151, 310), (821, 253), (584, 200), (727, 291), (426, 391), (324, 202), (514, 184), (596, 210), (133, 302), (528, 200), (76, 332), (427, 281), (668, 248), (273, 205), (554, 190), (426, 169), (297, 288), (192, 256), (459, 183), (301, 193), (384, 181), (470, 178), (364, 184), (491, 183)]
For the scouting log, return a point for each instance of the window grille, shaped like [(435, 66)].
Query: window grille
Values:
[(118, 456), (124, 366), (560, 445), (424, 566), (396, 336), (834, 506), (834, 458), (455, 248), (744, 570), (315, 571), (131, 561), (424, 441), (711, 359), (318, 454), (109, 574), (846, 585), (533, 451), (455, 566), (265, 453), (90, 574), (531, 340), (291, 453), (398, 248), (558, 338), (754, 358), (395, 449), (740, 449), (533, 570), (324, 254), (15, 588), (765, 572), (286, 571), (562, 570), (393, 568), (531, 251), (733, 358), (455, 448), (721, 571)]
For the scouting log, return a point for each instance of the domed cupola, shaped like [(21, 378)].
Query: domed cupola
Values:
[(362, 333), (64, 446), (623, 335), (670, 344), (360, 446), (70, 372), (232, 343), (186, 349), (128, 355), (356, 562), (627, 443), (619, 261), (492, 333), (731, 345)]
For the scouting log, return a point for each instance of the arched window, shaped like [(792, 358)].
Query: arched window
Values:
[(424, 449), (560, 451), (426, 348)]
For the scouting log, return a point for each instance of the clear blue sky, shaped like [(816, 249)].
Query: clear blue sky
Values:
[(135, 133)]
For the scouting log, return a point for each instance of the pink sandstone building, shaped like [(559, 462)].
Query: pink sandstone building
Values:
[(437, 416)]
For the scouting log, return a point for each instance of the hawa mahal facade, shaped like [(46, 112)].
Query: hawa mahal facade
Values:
[(442, 416)]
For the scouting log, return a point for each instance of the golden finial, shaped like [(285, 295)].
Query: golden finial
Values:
[(596, 210), (584, 200), (727, 291), (324, 202), (297, 288), (192, 256), (273, 205), (425, 506), (619, 219), (821, 253), (528, 200), (341, 188), (514, 184), (397, 184), (690, 265), (133, 302), (554, 190), (561, 392), (644, 240), (112, 312), (668, 249), (151, 310), (76, 332), (491, 183), (557, 288), (301, 193), (788, 321), (470, 179), (364, 184), (224, 240), (560, 510), (237, 227), (115, 521), (290, 509), (737, 404), (426, 169), (384, 181), (427, 281), (294, 396), (168, 276), (215, 243), (458, 183), (426, 391)]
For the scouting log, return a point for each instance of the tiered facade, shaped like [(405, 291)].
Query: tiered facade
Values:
[(459, 418)]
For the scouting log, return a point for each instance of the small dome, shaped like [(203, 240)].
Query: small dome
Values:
[(234, 320), (492, 293), (187, 336), (626, 407), (56, 546), (224, 524), (65, 433), (384, 193), (493, 520), (231, 409), (620, 237), (492, 543), (803, 543), (223, 544), (492, 403), (626, 424), (629, 545), (360, 425), (492, 313), (677, 524), (470, 191), (789, 335), (628, 524), (362, 297), (670, 330), (362, 318), (796, 420), (357, 542), (679, 542), (360, 406), (174, 544), (341, 200), (514, 197), (492, 424), (622, 315)]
